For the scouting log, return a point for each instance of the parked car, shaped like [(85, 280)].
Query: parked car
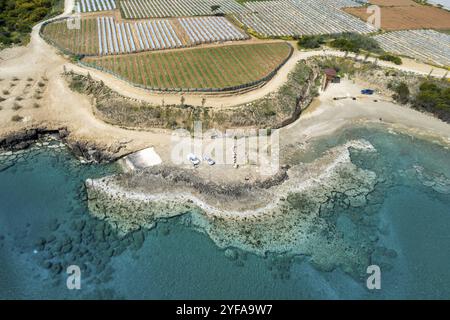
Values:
[(368, 91), (210, 161), (194, 159)]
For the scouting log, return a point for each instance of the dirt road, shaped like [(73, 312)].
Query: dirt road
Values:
[(33, 75), (274, 84)]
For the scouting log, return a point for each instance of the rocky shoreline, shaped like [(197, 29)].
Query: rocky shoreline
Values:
[(85, 151), (162, 182), (279, 219)]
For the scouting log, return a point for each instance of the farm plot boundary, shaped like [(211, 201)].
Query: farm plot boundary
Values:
[(205, 70), (103, 35), (289, 18), (408, 17)]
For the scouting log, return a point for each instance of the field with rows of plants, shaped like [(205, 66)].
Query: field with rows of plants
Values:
[(105, 35), (215, 67), (83, 41)]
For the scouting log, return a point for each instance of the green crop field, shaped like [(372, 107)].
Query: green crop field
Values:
[(214, 67), (82, 41)]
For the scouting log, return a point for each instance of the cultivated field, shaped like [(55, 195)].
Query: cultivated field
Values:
[(394, 3), (81, 41), (301, 17), (403, 17), (212, 67), (210, 29), (139, 9), (105, 36), (425, 45), (95, 5)]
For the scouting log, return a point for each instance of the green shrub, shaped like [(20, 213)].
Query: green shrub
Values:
[(435, 98), (391, 58), (401, 93), (354, 42), (311, 42)]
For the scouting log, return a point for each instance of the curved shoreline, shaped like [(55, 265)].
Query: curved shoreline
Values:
[(292, 220), (62, 108)]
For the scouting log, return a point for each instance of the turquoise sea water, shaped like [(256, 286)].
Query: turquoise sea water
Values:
[(45, 226)]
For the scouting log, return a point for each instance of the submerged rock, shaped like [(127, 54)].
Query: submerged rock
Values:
[(54, 224), (56, 268), (138, 239), (231, 254)]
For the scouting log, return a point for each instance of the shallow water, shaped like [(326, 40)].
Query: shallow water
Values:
[(45, 226)]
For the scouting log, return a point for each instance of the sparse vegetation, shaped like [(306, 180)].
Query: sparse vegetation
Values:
[(5, 92), (16, 106), (354, 42), (351, 42), (16, 118), (275, 110), (344, 66), (348, 41), (36, 105)]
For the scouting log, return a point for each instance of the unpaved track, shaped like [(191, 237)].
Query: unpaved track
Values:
[(40, 56), (61, 107), (274, 84)]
